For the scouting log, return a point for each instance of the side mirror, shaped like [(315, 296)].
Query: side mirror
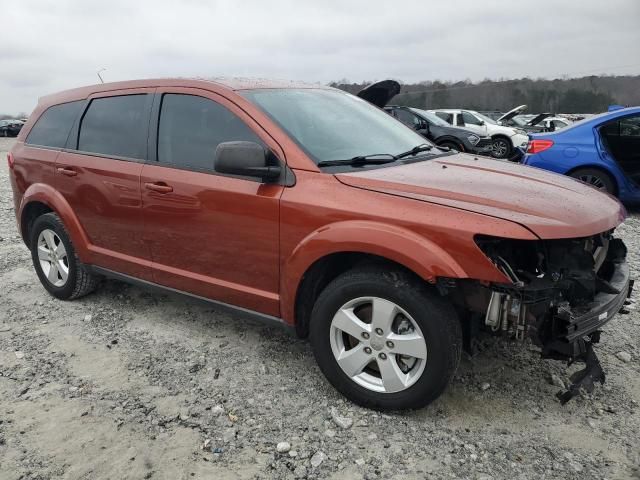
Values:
[(246, 159), (481, 123)]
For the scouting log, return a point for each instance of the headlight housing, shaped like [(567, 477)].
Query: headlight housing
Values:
[(473, 139)]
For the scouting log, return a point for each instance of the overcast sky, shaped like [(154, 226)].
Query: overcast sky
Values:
[(51, 45)]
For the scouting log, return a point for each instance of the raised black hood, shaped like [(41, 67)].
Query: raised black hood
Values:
[(380, 93)]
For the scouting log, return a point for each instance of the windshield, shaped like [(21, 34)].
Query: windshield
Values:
[(432, 117), (485, 118), (520, 121), (333, 125)]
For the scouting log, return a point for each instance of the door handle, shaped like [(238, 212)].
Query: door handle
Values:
[(69, 172), (159, 187)]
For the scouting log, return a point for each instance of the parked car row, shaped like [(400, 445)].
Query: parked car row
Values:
[(305, 205), (10, 128), (601, 150), (463, 130)]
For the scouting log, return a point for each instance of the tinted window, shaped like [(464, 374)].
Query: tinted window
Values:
[(408, 118), (447, 117), (115, 126), (630, 127), (191, 128), (54, 125), (470, 119)]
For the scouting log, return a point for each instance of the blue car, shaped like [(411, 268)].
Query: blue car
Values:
[(603, 150)]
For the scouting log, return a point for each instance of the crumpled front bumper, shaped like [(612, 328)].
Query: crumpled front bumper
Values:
[(605, 306), (581, 327)]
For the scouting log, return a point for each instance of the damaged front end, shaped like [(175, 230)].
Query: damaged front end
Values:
[(561, 294)]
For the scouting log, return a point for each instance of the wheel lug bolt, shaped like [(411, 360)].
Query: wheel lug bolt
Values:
[(390, 344), (379, 331), (365, 335), (382, 356), (367, 350)]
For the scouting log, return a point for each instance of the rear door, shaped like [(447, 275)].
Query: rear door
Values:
[(210, 234), (622, 137), (99, 176)]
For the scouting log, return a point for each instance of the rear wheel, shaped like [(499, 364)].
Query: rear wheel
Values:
[(56, 263), (384, 339), (597, 178), (501, 148)]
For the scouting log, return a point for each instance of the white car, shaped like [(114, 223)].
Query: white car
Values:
[(549, 124), (542, 122), (505, 139)]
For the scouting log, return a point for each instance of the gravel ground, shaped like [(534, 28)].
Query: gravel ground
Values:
[(126, 384)]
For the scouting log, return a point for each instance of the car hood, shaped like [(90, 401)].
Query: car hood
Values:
[(512, 113), (380, 93), (538, 118), (548, 204)]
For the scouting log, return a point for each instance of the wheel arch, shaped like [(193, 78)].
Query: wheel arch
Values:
[(332, 250), (39, 199), (601, 168), (450, 139), (504, 136)]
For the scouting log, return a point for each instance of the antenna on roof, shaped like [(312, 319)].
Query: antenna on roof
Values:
[(100, 76)]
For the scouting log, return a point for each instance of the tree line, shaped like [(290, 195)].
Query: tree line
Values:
[(592, 94)]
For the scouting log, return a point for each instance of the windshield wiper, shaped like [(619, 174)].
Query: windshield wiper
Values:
[(423, 147), (374, 159)]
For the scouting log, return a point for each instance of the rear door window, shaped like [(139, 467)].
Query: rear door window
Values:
[(191, 128), (54, 125), (115, 127), (447, 117)]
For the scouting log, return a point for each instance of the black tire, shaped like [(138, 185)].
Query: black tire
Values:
[(596, 178), (451, 145), (79, 281), (501, 147), (434, 315)]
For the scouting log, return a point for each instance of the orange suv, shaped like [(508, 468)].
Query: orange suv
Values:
[(311, 207)]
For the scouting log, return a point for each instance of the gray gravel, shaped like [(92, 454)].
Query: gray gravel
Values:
[(126, 383)]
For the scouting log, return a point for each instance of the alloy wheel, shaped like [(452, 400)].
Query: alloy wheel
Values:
[(594, 180), (500, 148), (378, 344), (53, 258)]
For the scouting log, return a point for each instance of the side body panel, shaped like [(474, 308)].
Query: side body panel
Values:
[(104, 193), (321, 216), (213, 235)]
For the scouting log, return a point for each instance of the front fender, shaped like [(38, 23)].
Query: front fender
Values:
[(47, 195), (398, 244)]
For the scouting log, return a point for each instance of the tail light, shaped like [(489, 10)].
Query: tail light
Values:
[(537, 146), (10, 160)]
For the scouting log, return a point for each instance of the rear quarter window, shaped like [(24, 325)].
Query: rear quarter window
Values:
[(54, 125)]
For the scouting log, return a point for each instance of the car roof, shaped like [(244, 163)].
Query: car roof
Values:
[(592, 121), (214, 83)]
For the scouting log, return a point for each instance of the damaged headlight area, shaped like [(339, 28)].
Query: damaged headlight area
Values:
[(561, 292)]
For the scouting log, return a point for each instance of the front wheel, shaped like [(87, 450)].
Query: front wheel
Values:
[(501, 148), (384, 339)]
